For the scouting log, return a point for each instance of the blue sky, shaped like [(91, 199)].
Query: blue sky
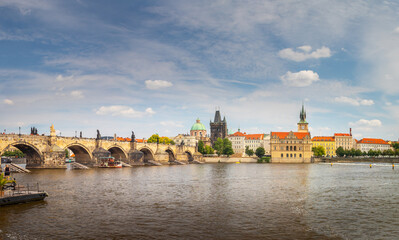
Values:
[(155, 66)]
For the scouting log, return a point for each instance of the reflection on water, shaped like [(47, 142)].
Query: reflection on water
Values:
[(219, 201)]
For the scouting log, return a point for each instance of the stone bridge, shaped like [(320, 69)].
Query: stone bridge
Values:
[(49, 151)]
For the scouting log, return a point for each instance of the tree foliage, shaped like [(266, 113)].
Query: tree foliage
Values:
[(14, 153), (218, 146), (227, 147), (209, 150), (259, 152), (340, 152), (223, 146), (319, 151), (155, 138), (201, 147), (248, 151)]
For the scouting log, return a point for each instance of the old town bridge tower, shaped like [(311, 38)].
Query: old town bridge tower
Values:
[(218, 127)]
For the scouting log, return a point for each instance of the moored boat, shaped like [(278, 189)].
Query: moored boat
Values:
[(109, 162)]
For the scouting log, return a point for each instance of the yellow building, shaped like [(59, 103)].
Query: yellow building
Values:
[(327, 142), (292, 147)]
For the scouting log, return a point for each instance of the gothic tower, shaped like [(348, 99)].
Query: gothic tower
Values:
[(218, 127), (302, 124)]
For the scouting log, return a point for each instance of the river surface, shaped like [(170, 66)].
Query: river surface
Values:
[(210, 201)]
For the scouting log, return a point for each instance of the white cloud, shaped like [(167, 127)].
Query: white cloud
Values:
[(396, 30), (354, 101), (77, 94), (364, 125), (304, 53), (124, 111), (8, 101), (300, 79), (157, 84)]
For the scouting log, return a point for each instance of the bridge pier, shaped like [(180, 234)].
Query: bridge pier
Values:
[(54, 157)]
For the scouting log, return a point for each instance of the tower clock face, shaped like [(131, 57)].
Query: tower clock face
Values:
[(303, 127)]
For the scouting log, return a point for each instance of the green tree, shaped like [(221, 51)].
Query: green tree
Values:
[(153, 139), (14, 153), (395, 145), (218, 146), (201, 147), (371, 153), (259, 152), (340, 152), (209, 150), (248, 151), (227, 147), (164, 140), (319, 151), (358, 152)]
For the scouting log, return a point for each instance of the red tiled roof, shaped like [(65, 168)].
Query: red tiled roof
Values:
[(282, 135), (325, 139), (372, 141), (237, 134), (342, 134), (254, 136), (140, 140)]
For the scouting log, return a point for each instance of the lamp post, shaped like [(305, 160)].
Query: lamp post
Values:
[(19, 131)]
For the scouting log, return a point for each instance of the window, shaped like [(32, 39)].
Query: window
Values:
[(300, 155), (295, 155), (287, 154), (291, 155), (294, 148), (287, 148), (282, 155), (290, 148)]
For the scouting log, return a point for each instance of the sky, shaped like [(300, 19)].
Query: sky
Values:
[(157, 66)]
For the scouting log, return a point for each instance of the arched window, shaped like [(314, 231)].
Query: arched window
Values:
[(287, 148), (282, 155), (300, 155), (291, 155), (294, 148), (295, 155), (290, 148), (287, 155)]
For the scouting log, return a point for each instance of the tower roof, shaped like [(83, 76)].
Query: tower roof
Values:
[(218, 118), (198, 126), (302, 115)]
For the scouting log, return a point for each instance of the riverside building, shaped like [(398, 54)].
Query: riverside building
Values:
[(344, 140), (292, 147), (327, 142), (240, 141), (375, 144)]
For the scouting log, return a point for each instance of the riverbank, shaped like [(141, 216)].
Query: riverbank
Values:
[(230, 160), (355, 159)]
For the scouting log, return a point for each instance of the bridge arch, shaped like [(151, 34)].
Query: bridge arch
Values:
[(172, 156), (148, 154), (82, 153), (118, 153), (34, 157), (189, 155)]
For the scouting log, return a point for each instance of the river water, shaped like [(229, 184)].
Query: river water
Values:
[(210, 201)]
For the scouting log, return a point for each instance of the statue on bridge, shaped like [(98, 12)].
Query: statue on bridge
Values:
[(98, 135), (182, 143), (33, 131), (80, 134), (133, 137)]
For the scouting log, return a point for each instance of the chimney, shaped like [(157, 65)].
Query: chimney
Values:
[(350, 131)]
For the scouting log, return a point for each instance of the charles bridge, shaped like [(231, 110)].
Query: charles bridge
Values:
[(49, 151)]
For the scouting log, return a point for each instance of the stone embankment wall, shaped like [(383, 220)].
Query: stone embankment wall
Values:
[(371, 159), (229, 160)]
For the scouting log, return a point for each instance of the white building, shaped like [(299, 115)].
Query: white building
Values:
[(375, 144), (188, 140), (241, 140)]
